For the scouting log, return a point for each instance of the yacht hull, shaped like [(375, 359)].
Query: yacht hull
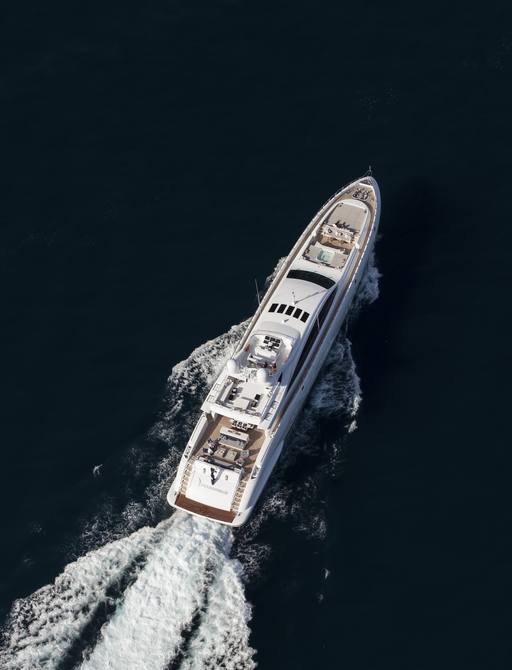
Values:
[(274, 437)]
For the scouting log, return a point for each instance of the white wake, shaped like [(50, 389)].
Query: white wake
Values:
[(146, 632), (181, 597), (42, 627)]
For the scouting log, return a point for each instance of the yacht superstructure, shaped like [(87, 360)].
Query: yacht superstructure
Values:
[(253, 403)]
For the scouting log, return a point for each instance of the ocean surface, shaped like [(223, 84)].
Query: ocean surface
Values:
[(157, 158)]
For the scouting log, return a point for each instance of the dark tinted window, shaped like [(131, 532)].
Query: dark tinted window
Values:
[(297, 313), (273, 307), (312, 335), (313, 277), (281, 309), (289, 310), (305, 316), (325, 308)]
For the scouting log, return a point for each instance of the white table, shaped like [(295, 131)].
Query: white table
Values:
[(242, 403)]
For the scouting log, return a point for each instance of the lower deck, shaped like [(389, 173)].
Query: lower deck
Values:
[(212, 432)]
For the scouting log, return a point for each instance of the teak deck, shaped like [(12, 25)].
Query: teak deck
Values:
[(204, 510), (256, 439)]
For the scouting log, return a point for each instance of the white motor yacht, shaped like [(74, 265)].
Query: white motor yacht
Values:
[(255, 400)]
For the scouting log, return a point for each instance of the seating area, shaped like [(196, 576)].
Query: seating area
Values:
[(349, 215), (259, 360), (263, 351), (340, 232), (228, 449), (229, 446), (334, 243), (227, 391), (242, 396), (231, 437), (317, 253), (271, 343)]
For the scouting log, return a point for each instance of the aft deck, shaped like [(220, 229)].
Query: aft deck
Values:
[(213, 433)]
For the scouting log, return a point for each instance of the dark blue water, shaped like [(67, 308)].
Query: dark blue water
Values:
[(156, 159)]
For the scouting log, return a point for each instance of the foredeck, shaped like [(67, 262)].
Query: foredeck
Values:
[(354, 191), (357, 190)]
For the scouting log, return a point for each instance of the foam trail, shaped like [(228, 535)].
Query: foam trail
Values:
[(146, 631), (368, 290), (338, 388), (222, 639), (43, 627)]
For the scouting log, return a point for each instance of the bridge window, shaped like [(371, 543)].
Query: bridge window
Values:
[(312, 335), (312, 277)]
